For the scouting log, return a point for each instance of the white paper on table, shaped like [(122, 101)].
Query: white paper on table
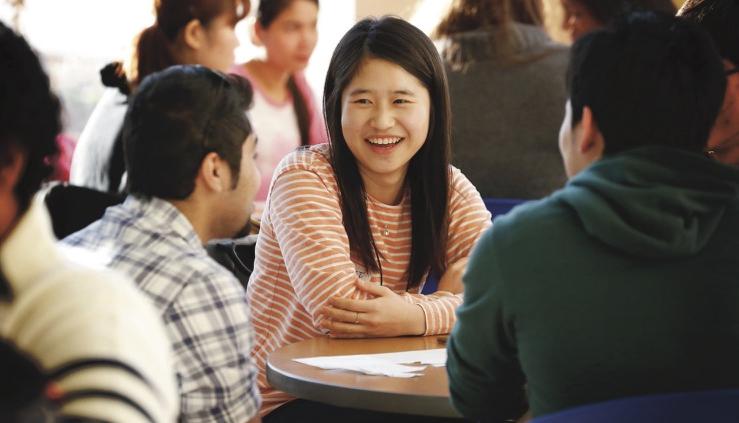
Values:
[(396, 364)]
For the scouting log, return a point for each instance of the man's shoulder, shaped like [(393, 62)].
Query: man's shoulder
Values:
[(85, 270)]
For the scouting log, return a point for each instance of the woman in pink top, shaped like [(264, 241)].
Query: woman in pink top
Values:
[(284, 111), (352, 229)]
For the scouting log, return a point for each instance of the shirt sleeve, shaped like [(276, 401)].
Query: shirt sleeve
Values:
[(485, 378), (468, 220), (307, 223), (212, 337)]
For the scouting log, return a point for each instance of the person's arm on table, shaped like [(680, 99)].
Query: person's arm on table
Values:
[(307, 221), (468, 220)]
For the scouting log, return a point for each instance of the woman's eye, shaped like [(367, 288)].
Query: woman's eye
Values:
[(401, 101), (361, 101)]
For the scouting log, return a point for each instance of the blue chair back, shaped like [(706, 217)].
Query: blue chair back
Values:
[(500, 206), (497, 207), (689, 407)]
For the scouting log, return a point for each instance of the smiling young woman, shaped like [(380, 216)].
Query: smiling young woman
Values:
[(352, 229)]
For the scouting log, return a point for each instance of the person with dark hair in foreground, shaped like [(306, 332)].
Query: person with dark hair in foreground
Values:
[(88, 330), (721, 19), (625, 282), (191, 178)]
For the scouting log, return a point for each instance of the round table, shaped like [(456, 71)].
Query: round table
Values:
[(424, 395)]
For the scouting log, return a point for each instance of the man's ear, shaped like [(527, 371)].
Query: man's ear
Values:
[(11, 168), (194, 35), (214, 173), (590, 141)]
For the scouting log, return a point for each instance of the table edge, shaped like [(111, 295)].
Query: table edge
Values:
[(372, 400)]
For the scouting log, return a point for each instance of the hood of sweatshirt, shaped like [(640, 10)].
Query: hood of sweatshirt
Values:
[(653, 202)]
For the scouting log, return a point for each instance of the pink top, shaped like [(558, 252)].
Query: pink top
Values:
[(276, 126)]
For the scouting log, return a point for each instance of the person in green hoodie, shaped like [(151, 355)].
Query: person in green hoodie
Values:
[(625, 282)]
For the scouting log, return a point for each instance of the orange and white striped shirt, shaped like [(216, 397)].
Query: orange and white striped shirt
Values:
[(303, 256)]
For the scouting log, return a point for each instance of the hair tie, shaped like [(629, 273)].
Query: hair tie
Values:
[(113, 75)]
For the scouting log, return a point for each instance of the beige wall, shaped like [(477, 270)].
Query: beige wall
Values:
[(402, 8)]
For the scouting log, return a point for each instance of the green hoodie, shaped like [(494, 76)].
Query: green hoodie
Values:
[(624, 283)]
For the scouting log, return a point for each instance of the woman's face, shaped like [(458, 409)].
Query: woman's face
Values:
[(291, 36), (384, 119), (578, 20), (217, 50)]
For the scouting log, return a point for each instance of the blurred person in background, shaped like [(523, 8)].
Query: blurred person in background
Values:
[(185, 32), (506, 79), (583, 16), (721, 19), (285, 114)]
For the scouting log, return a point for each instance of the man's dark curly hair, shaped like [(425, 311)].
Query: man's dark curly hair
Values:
[(29, 113)]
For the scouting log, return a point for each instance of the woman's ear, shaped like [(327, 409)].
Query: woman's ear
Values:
[(256, 34), (193, 35)]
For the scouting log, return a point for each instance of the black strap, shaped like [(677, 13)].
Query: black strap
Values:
[(71, 396), (117, 164), (6, 293), (77, 365)]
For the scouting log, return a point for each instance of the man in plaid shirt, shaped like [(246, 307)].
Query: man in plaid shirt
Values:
[(191, 178)]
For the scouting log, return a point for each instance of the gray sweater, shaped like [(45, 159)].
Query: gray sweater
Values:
[(507, 111)]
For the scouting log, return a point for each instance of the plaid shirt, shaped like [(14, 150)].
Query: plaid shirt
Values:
[(202, 304)]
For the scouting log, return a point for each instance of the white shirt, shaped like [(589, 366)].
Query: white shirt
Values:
[(92, 154), (276, 127)]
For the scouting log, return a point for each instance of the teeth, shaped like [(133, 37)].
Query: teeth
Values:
[(384, 141)]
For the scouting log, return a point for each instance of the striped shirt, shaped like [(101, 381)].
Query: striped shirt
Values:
[(303, 256), (202, 304), (92, 332)]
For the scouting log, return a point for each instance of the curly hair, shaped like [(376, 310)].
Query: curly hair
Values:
[(29, 113)]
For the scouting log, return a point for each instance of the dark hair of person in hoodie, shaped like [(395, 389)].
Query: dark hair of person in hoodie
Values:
[(652, 80)]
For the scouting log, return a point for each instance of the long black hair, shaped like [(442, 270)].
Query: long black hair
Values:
[(399, 42), (267, 12)]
